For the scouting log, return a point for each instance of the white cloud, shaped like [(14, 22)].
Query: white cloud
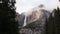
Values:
[(52, 4), (24, 5)]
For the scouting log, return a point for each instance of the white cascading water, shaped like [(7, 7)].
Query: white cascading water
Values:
[(24, 21)]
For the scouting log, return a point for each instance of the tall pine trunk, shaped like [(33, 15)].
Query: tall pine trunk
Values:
[(8, 25)]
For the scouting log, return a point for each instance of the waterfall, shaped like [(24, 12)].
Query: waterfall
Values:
[(24, 21)]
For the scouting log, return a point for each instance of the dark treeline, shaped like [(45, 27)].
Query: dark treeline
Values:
[(53, 23), (8, 25)]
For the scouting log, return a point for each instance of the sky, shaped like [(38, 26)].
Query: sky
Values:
[(25, 5)]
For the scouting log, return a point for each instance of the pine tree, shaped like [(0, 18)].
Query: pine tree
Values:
[(57, 21), (8, 25), (53, 23), (49, 25)]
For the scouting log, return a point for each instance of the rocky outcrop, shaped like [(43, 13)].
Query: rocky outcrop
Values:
[(35, 21), (36, 27), (20, 18)]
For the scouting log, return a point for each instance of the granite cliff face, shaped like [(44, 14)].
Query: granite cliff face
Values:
[(20, 18), (34, 23), (38, 26)]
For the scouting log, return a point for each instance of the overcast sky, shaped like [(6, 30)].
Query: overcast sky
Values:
[(25, 5)]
